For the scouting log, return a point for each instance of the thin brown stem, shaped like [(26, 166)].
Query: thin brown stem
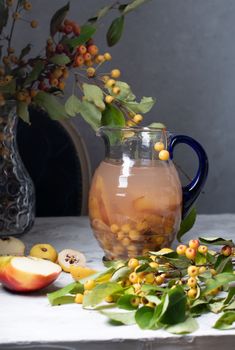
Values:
[(13, 26)]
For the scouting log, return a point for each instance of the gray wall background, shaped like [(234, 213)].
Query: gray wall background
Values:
[(183, 53)]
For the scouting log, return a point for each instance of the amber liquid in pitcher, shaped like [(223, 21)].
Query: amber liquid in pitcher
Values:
[(135, 208)]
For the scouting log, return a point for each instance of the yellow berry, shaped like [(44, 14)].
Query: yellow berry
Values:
[(34, 24), (90, 284), (192, 282), (133, 277), (116, 90), (193, 271), (8, 78), (79, 298), (107, 56), (109, 99), (61, 85), (130, 123), (153, 264), (105, 78), (110, 83), (109, 299), (126, 228), (16, 15), (135, 301), (138, 118), (27, 6), (192, 293), (90, 72), (159, 146), (114, 228), (181, 249), (100, 58), (134, 235), (201, 270), (10, 50), (190, 253), (126, 241), (164, 155), (133, 263), (120, 235), (213, 272), (57, 73), (9, 2), (149, 278), (159, 280), (115, 73), (203, 249), (193, 243), (6, 60)]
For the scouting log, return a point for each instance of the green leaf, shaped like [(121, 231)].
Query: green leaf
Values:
[(35, 73), (94, 94), (113, 263), (225, 321), (125, 93), (230, 296), (3, 15), (126, 302), (72, 105), (144, 106), (100, 14), (87, 31), (200, 259), (223, 264), (216, 307), (176, 307), (144, 317), (199, 307), (99, 276), (51, 105), (98, 294), (72, 288), (157, 126), (120, 273), (60, 59), (58, 19), (187, 223), (115, 31), (133, 5), (218, 281), (127, 318), (66, 299), (23, 112), (190, 325), (112, 116), (230, 306), (153, 299), (9, 88), (216, 241), (25, 51), (91, 114)]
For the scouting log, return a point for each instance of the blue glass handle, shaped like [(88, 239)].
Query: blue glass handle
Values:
[(193, 189)]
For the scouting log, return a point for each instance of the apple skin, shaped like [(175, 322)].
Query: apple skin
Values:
[(20, 281)]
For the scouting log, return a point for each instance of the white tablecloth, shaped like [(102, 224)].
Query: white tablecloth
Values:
[(29, 322)]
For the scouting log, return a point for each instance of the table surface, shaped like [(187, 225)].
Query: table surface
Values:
[(27, 321)]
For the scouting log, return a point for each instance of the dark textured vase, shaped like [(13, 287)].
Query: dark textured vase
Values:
[(17, 195)]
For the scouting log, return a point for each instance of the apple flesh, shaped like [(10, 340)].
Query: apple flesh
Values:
[(27, 274)]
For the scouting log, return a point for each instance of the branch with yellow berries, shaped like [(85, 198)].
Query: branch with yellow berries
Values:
[(40, 81), (167, 289)]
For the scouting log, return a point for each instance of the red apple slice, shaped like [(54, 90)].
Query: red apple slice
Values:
[(27, 274)]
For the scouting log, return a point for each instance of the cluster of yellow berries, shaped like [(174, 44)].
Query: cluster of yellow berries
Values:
[(27, 6), (163, 153), (191, 250)]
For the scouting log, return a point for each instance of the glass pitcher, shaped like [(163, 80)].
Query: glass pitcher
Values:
[(136, 202)]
